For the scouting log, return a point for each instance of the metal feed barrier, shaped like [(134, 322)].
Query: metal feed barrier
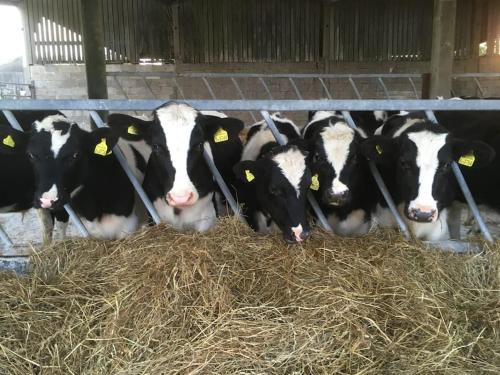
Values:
[(264, 107)]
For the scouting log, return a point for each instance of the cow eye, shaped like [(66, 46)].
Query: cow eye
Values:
[(31, 155), (156, 148), (76, 155), (319, 158), (405, 165), (445, 165)]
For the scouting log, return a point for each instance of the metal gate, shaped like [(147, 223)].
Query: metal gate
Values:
[(263, 107)]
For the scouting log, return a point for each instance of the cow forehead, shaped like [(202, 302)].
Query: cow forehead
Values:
[(292, 164), (59, 128), (337, 140), (428, 145), (176, 120)]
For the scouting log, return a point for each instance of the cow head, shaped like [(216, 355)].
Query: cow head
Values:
[(421, 158), (337, 164), (176, 135), (281, 179), (59, 152)]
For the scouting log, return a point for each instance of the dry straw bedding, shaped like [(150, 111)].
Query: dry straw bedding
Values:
[(232, 302)]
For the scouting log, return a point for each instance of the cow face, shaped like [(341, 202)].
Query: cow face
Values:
[(337, 163), (176, 135), (281, 180), (59, 152), (421, 159)]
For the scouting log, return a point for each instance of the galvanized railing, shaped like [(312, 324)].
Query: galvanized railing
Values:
[(476, 78), (264, 107)]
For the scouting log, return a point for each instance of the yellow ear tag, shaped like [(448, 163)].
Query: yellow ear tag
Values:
[(467, 160), (379, 149), (314, 183), (102, 148), (8, 141), (249, 175), (132, 130), (220, 136)]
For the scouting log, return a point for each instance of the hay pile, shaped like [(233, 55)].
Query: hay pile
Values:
[(231, 302)]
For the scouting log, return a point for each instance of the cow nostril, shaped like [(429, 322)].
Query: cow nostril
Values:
[(422, 216)]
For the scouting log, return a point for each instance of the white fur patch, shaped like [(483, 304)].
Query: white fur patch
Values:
[(252, 149), (380, 115), (321, 115), (201, 216), (353, 225), (292, 164), (110, 227), (337, 139), (408, 124), (177, 122), (214, 113), (58, 140), (51, 194), (428, 145)]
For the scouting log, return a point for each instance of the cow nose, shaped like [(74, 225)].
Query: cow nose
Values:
[(179, 199), (46, 202), (337, 199), (422, 215), (300, 233)]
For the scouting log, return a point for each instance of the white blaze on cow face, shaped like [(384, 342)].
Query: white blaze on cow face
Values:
[(177, 122), (58, 139), (336, 140), (292, 164), (428, 145)]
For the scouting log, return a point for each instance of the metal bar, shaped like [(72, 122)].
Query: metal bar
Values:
[(466, 191), (207, 153), (5, 238), (384, 87), (242, 96), (149, 87), (266, 87), (354, 87), (133, 179), (314, 204), (207, 84), (479, 75), (176, 83), (258, 75), (325, 88), (381, 185), (74, 218), (295, 88), (481, 90), (254, 105)]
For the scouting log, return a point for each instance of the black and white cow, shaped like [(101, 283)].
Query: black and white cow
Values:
[(415, 157), (275, 180), (342, 182), (17, 181), (72, 165), (177, 178)]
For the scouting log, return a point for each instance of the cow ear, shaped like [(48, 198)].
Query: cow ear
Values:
[(129, 127), (101, 142), (219, 130), (379, 149), (247, 171), (12, 141), (472, 154)]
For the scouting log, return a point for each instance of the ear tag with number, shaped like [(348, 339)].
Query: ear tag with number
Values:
[(102, 148), (249, 175), (379, 149), (314, 183), (8, 141), (220, 136), (467, 160), (132, 130)]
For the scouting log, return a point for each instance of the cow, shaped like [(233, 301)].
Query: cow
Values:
[(275, 181), (177, 178), (74, 166), (415, 156), (17, 182), (342, 182)]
